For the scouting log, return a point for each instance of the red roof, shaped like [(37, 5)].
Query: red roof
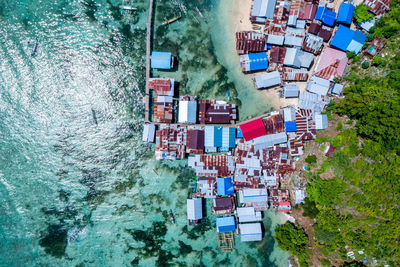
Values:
[(253, 129)]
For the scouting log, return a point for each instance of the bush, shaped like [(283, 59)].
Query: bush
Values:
[(311, 159), (370, 37), (365, 65), (361, 13), (339, 126), (377, 60), (325, 262), (350, 54)]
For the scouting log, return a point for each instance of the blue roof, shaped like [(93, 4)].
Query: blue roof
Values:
[(348, 40), (161, 60), (325, 15), (226, 224), (290, 126), (224, 186), (258, 61), (228, 138), (239, 133), (212, 136), (346, 12)]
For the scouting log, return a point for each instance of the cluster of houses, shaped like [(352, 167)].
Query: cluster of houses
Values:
[(240, 166), (303, 41)]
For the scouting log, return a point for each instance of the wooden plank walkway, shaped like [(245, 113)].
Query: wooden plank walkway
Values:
[(148, 54)]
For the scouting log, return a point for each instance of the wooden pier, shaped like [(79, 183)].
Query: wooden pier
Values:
[(148, 76), (148, 54)]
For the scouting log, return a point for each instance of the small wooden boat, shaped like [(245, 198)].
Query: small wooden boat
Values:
[(129, 8), (171, 216), (171, 20), (34, 48), (94, 116), (201, 15), (85, 3)]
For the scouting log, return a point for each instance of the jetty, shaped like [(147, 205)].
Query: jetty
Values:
[(148, 53)]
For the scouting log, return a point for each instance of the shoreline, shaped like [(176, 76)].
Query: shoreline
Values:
[(240, 19)]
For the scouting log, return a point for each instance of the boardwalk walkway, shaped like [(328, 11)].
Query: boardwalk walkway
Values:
[(148, 54)]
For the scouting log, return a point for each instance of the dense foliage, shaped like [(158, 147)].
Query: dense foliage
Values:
[(361, 13), (294, 240), (356, 191)]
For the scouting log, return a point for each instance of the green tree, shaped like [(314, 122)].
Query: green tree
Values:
[(350, 54), (365, 65), (311, 159), (361, 13), (293, 239), (377, 61)]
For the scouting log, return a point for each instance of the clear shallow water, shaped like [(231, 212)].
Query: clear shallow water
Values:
[(83, 190)]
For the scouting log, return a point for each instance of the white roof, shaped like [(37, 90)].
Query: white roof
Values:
[(164, 99), (149, 131), (268, 79), (194, 209), (321, 121), (253, 195), (299, 196), (275, 39), (250, 232), (291, 90), (337, 89), (289, 114), (269, 140), (187, 111), (248, 214), (318, 85)]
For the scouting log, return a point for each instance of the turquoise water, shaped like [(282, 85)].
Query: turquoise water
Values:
[(77, 185)]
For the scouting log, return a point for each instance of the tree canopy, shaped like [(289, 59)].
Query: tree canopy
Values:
[(361, 13)]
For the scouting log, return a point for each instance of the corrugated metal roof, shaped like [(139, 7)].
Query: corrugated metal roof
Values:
[(290, 126), (253, 129), (294, 36), (313, 43), (318, 85), (263, 8), (291, 90), (337, 89), (321, 121), (325, 15), (161, 60), (270, 140), (226, 224), (187, 111), (348, 40), (289, 114), (149, 131), (346, 12), (254, 61), (194, 209), (297, 58), (275, 39), (268, 79), (224, 186), (228, 138), (250, 232), (212, 136), (253, 195)]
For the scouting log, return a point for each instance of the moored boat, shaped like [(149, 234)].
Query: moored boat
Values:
[(171, 20)]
